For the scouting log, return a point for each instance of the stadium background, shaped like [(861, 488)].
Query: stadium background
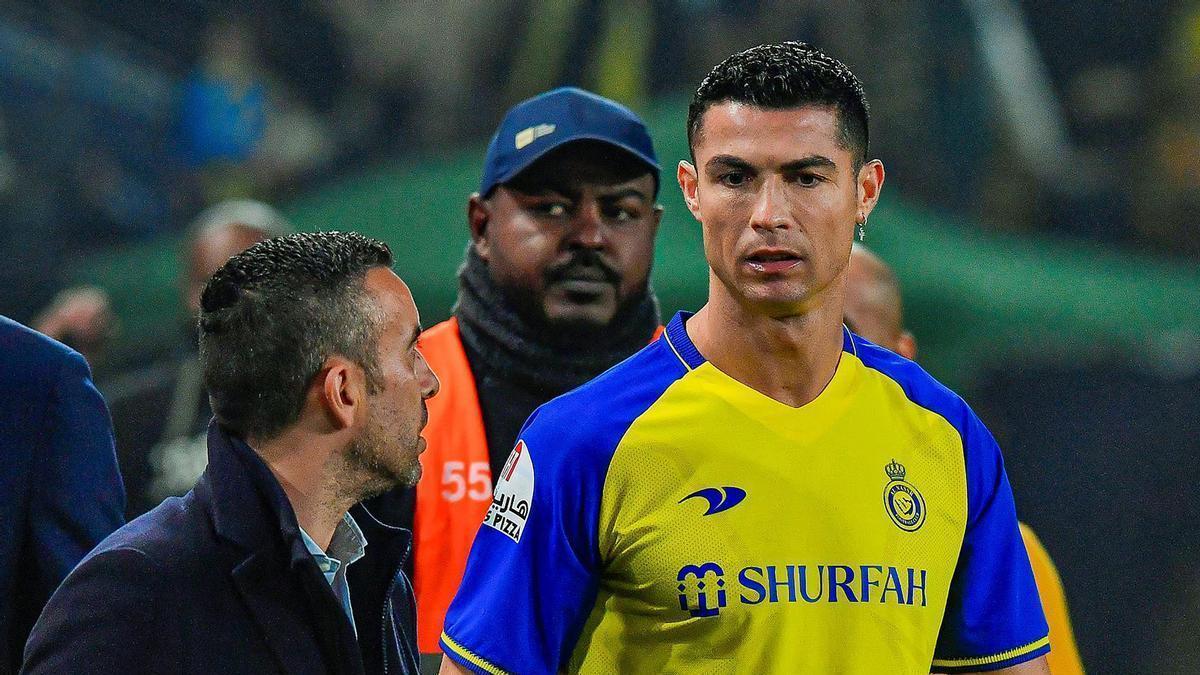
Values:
[(1043, 177)]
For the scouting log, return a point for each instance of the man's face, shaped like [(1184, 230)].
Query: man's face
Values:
[(571, 238), (777, 197), (390, 442), (872, 308)]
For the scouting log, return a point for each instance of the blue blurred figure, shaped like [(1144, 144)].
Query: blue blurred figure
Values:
[(60, 491)]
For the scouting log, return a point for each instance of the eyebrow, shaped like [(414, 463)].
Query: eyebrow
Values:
[(571, 192), (727, 161), (809, 162), (625, 192)]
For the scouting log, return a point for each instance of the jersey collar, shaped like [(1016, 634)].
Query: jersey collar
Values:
[(681, 344)]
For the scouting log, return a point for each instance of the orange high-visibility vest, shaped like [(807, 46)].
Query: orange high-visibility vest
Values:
[(456, 483), (455, 489)]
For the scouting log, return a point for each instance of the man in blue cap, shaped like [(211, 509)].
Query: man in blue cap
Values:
[(554, 291)]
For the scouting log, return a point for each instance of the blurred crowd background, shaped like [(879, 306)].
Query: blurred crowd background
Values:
[(1040, 209)]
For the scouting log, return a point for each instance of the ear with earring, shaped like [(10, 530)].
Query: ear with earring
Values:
[(862, 230)]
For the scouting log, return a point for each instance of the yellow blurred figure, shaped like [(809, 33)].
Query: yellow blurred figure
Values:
[(874, 311)]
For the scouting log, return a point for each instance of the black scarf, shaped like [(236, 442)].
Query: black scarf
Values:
[(537, 360)]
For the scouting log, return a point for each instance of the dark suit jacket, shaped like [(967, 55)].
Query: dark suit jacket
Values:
[(60, 491), (219, 581)]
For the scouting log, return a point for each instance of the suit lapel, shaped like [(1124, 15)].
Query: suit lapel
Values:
[(283, 610), (282, 587)]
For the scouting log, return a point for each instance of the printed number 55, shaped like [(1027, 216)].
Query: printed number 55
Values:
[(455, 480)]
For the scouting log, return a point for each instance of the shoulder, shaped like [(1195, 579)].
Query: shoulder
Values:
[(983, 464), (33, 356), (170, 537), (918, 385), (588, 423)]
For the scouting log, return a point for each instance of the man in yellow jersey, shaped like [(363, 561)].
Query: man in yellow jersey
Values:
[(874, 311), (759, 490)]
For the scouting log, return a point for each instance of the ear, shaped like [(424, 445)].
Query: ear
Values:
[(870, 183), (689, 183), (477, 219), (340, 392), (906, 345)]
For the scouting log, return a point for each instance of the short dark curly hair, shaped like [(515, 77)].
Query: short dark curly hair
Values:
[(272, 315), (786, 75)]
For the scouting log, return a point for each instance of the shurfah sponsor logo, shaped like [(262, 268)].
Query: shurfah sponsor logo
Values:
[(708, 582), (704, 590), (514, 494)]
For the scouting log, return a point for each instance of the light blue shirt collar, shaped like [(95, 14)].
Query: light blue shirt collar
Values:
[(346, 547)]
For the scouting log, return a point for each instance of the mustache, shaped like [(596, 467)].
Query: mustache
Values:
[(584, 263)]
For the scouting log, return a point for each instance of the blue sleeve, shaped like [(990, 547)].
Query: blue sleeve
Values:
[(993, 616), (530, 580), (78, 498)]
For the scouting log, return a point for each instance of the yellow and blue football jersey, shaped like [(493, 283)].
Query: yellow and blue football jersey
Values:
[(666, 518)]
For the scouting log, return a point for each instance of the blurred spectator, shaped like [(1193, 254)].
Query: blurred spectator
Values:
[(60, 491), (1168, 191), (81, 318), (161, 412), (251, 123)]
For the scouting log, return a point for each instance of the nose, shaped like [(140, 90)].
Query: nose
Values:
[(430, 384), (771, 206), (587, 226)]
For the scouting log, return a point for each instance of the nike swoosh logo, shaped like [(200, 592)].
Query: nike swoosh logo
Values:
[(719, 499)]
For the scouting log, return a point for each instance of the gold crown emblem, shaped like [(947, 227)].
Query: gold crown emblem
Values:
[(895, 470)]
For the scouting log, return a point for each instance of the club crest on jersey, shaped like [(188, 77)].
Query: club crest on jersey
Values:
[(514, 494), (901, 500)]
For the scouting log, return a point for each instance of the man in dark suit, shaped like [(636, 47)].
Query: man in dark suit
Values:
[(308, 346), (60, 491)]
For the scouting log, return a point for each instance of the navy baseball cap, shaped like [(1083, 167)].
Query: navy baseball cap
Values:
[(538, 125)]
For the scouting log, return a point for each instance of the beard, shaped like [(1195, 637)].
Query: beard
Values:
[(367, 458)]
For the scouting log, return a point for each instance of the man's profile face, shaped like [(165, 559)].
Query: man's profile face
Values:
[(778, 197), (571, 238), (390, 442)]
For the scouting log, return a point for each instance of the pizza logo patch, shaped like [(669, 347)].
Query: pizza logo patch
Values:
[(513, 496)]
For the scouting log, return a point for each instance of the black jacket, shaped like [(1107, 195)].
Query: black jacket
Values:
[(219, 581)]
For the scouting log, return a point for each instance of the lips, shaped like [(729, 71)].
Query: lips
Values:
[(773, 260), (585, 280)]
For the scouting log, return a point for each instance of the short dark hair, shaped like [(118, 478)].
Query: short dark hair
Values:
[(786, 75), (272, 315)]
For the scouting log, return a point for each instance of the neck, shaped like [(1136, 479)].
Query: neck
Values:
[(536, 358), (304, 472), (790, 358)]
